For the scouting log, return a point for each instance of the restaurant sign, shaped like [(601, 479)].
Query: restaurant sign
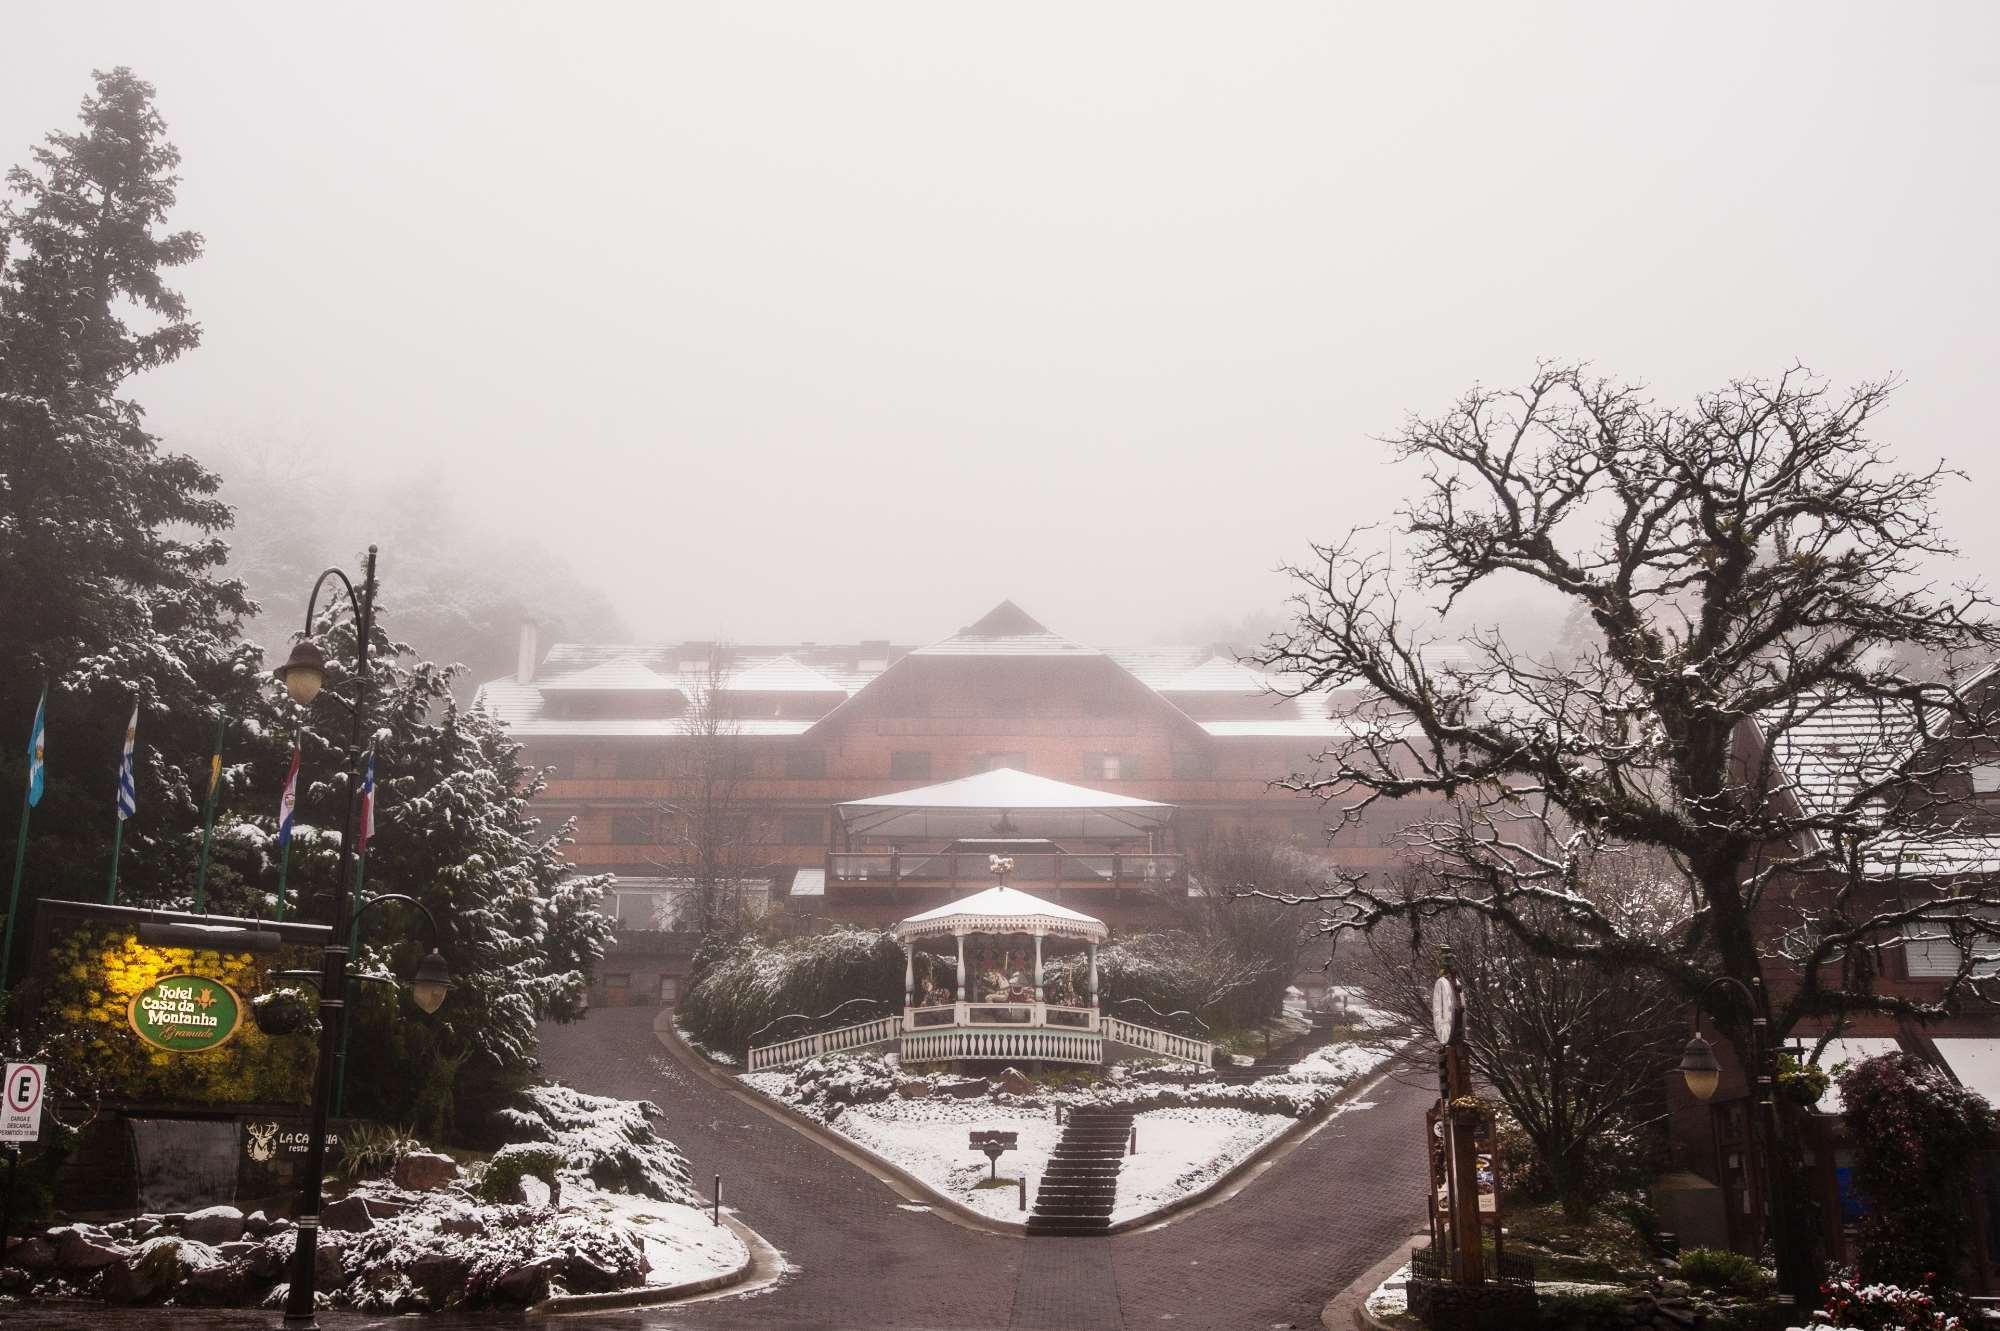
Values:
[(185, 1014)]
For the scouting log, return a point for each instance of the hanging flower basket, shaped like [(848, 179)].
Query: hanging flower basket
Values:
[(281, 1011)]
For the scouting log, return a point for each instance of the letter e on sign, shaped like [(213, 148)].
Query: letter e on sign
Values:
[(21, 1101)]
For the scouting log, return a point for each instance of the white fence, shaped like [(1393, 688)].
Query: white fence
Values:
[(784, 1053), (1054, 1046), (1164, 1043)]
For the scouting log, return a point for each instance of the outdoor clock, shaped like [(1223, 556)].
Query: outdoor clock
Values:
[(1444, 1009)]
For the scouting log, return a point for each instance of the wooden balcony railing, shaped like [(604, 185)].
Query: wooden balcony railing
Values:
[(973, 869)]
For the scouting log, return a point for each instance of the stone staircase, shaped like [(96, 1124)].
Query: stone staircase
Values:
[(1280, 1058), (1081, 1186)]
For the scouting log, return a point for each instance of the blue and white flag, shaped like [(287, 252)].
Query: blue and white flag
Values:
[(36, 739), (128, 793)]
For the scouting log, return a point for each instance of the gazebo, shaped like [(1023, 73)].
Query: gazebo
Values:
[(1002, 1005)]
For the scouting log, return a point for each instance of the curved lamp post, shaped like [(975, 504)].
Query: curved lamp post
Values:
[(1703, 1073), (304, 676)]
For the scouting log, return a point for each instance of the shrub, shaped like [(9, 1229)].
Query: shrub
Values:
[(1877, 1307), (754, 983), (502, 1180), (609, 1141), (1915, 1133), (1718, 1268), (374, 1148)]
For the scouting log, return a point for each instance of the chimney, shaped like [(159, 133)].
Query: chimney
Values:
[(524, 665)]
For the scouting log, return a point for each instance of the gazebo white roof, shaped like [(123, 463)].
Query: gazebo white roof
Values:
[(1003, 802), (1002, 910)]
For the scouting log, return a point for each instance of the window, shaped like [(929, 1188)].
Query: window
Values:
[(802, 829), (670, 989), (910, 765), (1110, 766), (1986, 778), (631, 829), (1931, 954), (1193, 764), (987, 762), (805, 764)]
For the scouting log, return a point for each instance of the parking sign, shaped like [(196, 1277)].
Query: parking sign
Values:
[(21, 1101)]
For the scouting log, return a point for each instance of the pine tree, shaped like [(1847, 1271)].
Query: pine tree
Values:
[(110, 548)]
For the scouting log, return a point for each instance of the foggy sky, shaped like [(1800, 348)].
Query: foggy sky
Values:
[(847, 320)]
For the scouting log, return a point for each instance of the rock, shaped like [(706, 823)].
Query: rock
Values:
[(173, 1219), (256, 1224), (528, 1283), (1675, 1289), (145, 1227), (329, 1272), (32, 1255), (1013, 1081), (349, 1215), (969, 1089), (156, 1270), (223, 1284), (913, 1088), (236, 1248), (269, 1261), (467, 1223), (78, 1255), (441, 1276), (213, 1224), (425, 1171), (13, 1280)]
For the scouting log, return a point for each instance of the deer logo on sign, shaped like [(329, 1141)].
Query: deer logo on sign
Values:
[(263, 1140)]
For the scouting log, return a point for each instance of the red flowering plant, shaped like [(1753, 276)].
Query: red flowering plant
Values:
[(1916, 1133), (1846, 1303)]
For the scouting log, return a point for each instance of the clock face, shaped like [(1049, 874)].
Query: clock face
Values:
[(1444, 1009)]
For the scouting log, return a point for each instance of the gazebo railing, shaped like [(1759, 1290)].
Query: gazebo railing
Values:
[(784, 1053), (1166, 1044), (1050, 1046), (981, 1015)]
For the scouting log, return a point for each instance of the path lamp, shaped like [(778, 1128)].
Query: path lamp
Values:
[(304, 677), (1702, 1072)]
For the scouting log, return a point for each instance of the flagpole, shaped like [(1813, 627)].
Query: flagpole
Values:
[(353, 946), (117, 840), (208, 818), (284, 861)]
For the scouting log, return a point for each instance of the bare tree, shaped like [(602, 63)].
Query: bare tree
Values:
[(710, 834), (1574, 1051), (1752, 565)]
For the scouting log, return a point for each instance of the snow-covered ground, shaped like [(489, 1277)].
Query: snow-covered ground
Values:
[(1182, 1151), (929, 1138), (682, 1243)]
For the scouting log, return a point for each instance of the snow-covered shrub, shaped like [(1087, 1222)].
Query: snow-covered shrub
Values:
[(1847, 1303), (505, 1256), (756, 982), (510, 1164), (1718, 1268), (1915, 1133), (610, 1142)]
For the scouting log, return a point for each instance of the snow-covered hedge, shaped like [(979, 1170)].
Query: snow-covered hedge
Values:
[(496, 1256), (610, 1142), (757, 982)]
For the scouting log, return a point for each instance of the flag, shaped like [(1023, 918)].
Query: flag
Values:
[(367, 804), (36, 738), (289, 803), (128, 792)]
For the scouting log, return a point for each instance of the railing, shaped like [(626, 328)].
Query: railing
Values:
[(1000, 1014), (784, 1053), (968, 867), (1164, 1043), (1052, 1046)]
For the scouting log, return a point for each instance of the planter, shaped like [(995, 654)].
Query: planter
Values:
[(281, 1011)]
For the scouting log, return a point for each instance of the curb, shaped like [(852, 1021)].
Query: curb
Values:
[(1232, 1180), (1348, 1310), (893, 1176), (558, 1304)]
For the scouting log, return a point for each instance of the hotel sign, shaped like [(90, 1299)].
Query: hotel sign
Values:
[(185, 1014)]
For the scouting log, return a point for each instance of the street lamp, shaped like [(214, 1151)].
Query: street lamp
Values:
[(1702, 1072), (303, 675)]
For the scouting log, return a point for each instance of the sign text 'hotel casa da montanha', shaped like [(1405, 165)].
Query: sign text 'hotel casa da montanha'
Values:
[(185, 1014)]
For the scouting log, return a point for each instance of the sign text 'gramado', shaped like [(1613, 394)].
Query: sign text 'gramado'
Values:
[(185, 1013)]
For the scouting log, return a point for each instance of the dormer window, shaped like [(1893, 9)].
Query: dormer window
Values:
[(1986, 778)]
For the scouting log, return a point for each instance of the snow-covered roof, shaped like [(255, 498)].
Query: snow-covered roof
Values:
[(779, 674), (1030, 805), (621, 676), (1838, 747), (1920, 857), (1002, 910), (1218, 674), (1006, 630), (809, 883)]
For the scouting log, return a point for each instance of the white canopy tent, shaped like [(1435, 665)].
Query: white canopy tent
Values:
[(1003, 802)]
